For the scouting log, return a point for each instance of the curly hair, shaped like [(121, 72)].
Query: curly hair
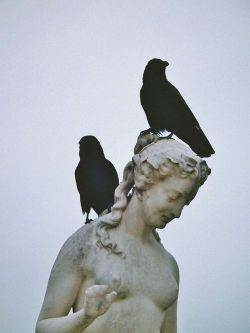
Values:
[(157, 160), (166, 157)]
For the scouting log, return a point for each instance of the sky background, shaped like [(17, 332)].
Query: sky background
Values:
[(73, 68)]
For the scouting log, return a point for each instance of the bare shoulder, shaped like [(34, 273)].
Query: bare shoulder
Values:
[(75, 248), (172, 263)]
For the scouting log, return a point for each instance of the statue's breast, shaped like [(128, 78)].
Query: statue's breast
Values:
[(152, 275), (143, 272)]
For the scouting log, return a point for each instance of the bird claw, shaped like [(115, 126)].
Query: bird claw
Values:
[(168, 136), (88, 221)]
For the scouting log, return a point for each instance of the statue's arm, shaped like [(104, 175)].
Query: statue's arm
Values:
[(170, 320), (63, 288), (97, 301)]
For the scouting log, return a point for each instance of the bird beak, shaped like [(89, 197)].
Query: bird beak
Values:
[(166, 63)]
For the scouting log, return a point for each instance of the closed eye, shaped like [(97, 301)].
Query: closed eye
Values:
[(176, 196)]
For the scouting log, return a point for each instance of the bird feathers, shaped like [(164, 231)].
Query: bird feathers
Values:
[(166, 109), (96, 177)]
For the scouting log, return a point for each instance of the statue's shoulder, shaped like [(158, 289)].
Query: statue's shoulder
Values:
[(173, 264), (77, 245), (82, 235)]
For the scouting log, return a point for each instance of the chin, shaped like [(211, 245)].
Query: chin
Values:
[(162, 225), (164, 221)]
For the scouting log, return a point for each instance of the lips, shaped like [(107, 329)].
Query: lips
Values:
[(165, 219), (168, 218)]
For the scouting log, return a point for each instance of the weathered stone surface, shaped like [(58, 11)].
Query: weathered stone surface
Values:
[(114, 273)]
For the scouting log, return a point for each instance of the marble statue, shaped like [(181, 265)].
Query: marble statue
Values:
[(114, 273)]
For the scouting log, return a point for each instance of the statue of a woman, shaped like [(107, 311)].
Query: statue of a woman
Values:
[(114, 273)]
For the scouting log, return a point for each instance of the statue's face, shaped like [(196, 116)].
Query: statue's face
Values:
[(165, 199)]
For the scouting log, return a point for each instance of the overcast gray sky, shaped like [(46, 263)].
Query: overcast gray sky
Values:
[(72, 68)]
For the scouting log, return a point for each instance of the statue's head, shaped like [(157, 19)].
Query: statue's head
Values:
[(165, 158), (167, 176), (156, 160)]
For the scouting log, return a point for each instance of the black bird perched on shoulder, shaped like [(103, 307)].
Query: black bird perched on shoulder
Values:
[(96, 177), (166, 109)]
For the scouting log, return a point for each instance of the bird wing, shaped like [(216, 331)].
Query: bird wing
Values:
[(188, 129), (153, 103), (83, 184), (165, 108), (104, 180), (178, 103), (96, 181)]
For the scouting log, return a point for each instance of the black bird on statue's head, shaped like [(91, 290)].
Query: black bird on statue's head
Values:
[(166, 109), (96, 177)]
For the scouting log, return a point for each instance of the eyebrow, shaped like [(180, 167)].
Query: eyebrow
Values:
[(184, 193)]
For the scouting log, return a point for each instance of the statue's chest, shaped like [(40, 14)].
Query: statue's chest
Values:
[(140, 273)]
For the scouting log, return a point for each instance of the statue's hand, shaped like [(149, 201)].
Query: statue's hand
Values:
[(97, 300)]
